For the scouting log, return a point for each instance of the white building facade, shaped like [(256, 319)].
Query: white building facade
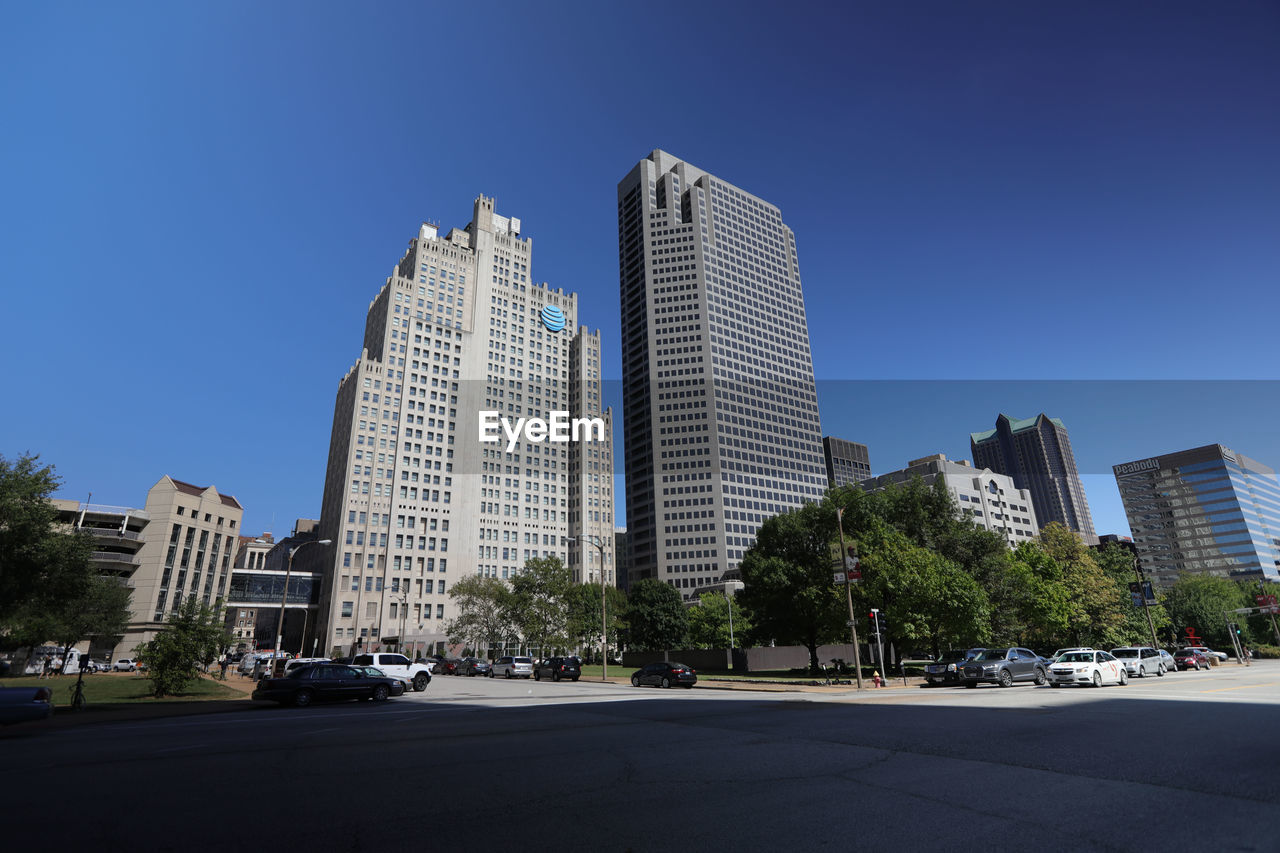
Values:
[(987, 499), (459, 337)]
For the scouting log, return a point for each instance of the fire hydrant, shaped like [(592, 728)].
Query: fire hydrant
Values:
[(876, 680)]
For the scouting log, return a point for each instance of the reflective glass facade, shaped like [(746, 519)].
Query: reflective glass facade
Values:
[(1206, 510)]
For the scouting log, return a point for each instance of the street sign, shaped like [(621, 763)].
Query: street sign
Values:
[(851, 624), (839, 577), (1149, 593)]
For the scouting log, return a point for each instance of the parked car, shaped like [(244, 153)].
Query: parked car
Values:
[(665, 674), (321, 682), (1191, 659), (1060, 652), (1004, 667), (557, 669), (512, 666), (397, 666), (1140, 661), (949, 668), (1217, 657), (399, 686), (124, 665), (473, 666), (24, 704), (446, 666), (1170, 665), (1087, 667)]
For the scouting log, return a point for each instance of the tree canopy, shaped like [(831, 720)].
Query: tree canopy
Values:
[(656, 617)]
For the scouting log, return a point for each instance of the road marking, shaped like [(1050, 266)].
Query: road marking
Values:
[(1241, 687)]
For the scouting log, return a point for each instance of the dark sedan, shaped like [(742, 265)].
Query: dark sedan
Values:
[(1191, 659), (557, 669), (23, 704), (473, 666), (324, 682), (665, 674), (372, 671), (949, 669)]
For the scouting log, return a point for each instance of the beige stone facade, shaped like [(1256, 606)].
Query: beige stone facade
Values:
[(414, 500)]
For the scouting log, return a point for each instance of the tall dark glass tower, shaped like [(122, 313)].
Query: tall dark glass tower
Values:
[(1036, 453), (720, 412)]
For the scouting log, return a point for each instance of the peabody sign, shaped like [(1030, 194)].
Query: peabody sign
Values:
[(1135, 467)]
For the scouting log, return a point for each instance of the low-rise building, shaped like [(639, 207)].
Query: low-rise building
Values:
[(984, 497)]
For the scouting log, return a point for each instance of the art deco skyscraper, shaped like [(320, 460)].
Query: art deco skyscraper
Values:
[(719, 405), (1036, 453), (414, 500)]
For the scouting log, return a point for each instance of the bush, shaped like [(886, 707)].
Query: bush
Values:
[(1266, 651)]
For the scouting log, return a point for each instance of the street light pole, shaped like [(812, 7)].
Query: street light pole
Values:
[(1142, 590), (604, 622), (848, 595), (288, 570)]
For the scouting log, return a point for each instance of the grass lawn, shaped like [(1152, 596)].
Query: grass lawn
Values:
[(101, 689)]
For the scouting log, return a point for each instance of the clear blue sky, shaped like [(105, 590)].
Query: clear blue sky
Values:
[(1014, 207)]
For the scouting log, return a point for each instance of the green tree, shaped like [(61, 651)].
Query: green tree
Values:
[(194, 634), (99, 610), (1099, 604), (482, 607), (1199, 601), (787, 579), (583, 615), (928, 598), (39, 562), (656, 617), (1117, 561), (1041, 602), (709, 622), (538, 603)]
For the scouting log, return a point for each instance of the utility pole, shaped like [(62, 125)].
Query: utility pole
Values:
[(848, 596), (1146, 608)]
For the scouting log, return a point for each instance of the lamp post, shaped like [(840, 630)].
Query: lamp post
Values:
[(848, 597), (288, 570), (604, 630)]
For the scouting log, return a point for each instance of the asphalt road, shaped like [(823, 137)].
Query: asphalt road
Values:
[(1185, 762)]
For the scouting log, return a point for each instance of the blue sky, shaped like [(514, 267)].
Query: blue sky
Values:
[(1070, 208)]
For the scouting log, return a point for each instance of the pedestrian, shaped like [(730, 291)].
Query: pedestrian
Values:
[(222, 666), (45, 665)]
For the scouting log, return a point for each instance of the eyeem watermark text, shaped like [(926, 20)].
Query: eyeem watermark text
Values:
[(560, 429)]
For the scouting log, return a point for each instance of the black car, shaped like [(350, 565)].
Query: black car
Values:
[(665, 674), (397, 689), (557, 668), (949, 668), (324, 682)]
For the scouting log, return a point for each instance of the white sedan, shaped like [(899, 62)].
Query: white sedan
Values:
[(1087, 667)]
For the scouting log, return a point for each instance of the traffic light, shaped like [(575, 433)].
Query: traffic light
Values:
[(873, 618), (884, 624), (1236, 628)]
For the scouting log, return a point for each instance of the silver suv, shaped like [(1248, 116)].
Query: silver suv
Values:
[(1140, 661), (512, 667)]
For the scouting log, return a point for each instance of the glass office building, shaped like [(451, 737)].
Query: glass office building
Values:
[(1207, 510)]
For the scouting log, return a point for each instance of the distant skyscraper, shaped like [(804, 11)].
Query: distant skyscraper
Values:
[(720, 409), (847, 461), (1036, 453), (1207, 510), (414, 500)]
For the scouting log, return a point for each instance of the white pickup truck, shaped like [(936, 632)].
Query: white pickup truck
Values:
[(417, 675)]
